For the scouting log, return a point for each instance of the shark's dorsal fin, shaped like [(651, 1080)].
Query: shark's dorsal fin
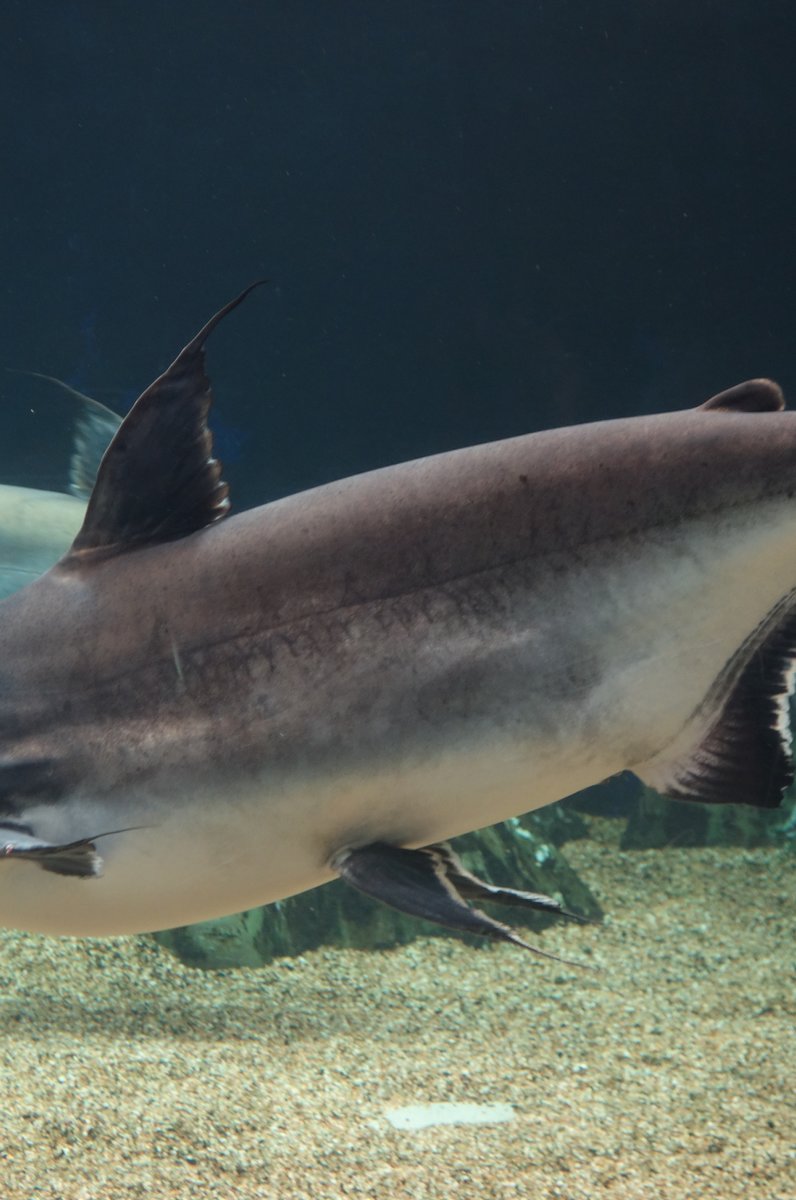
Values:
[(95, 425), (756, 395), (158, 480)]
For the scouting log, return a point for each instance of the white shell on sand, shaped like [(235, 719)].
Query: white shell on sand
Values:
[(420, 1116)]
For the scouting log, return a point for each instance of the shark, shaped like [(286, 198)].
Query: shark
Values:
[(203, 712), (37, 526)]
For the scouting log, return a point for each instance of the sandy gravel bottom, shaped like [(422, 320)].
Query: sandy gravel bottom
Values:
[(667, 1073)]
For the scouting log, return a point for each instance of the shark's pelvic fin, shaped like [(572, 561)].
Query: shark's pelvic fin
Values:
[(158, 480), (431, 883), (470, 887)]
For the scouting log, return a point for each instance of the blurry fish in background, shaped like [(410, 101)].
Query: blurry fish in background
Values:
[(38, 526)]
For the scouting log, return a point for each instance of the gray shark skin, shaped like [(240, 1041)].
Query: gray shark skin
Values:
[(203, 713)]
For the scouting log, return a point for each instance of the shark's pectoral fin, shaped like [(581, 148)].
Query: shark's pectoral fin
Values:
[(72, 858), (431, 883)]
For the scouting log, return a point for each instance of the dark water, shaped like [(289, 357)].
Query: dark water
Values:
[(478, 219)]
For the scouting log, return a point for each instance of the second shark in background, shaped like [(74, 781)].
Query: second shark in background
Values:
[(38, 526)]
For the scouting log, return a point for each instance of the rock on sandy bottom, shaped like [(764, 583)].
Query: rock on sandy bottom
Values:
[(421, 1116)]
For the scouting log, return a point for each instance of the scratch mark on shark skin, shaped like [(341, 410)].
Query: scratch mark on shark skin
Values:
[(175, 653)]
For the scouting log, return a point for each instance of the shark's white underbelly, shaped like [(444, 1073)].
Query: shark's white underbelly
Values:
[(252, 849)]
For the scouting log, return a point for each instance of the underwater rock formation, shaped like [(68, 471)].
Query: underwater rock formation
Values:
[(657, 822), (522, 852)]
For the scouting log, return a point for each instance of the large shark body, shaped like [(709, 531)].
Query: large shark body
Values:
[(199, 715)]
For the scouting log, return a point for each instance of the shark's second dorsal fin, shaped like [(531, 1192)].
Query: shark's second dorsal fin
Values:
[(158, 480), (756, 395)]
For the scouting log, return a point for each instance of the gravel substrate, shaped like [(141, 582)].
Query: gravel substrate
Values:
[(668, 1073)]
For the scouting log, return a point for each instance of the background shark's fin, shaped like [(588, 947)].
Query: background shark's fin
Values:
[(158, 480), (756, 395), (94, 427)]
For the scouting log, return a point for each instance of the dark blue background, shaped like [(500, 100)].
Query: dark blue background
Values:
[(478, 218)]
